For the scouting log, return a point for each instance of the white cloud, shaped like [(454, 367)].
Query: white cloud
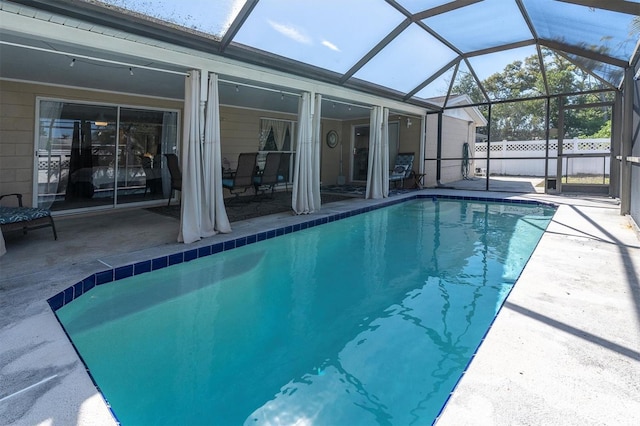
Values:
[(290, 32), (330, 45)]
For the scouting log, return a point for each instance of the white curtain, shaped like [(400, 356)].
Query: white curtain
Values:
[(378, 170), (279, 131), (265, 128), (214, 216), (305, 197), (50, 110), (191, 214), (202, 204), (316, 143), (279, 128)]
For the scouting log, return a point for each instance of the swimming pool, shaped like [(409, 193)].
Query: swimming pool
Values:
[(369, 319)]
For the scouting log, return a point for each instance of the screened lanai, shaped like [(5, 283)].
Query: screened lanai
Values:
[(553, 80), (495, 95), (409, 49)]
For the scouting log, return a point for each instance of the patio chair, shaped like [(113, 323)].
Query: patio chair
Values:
[(176, 175), (283, 170), (242, 177), (153, 179), (25, 218), (268, 177), (402, 169)]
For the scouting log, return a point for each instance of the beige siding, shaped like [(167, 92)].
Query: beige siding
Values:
[(455, 132), (17, 123), (17, 111), (330, 157), (239, 130), (409, 141)]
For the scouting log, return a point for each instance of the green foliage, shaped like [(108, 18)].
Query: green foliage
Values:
[(524, 119), (604, 132)]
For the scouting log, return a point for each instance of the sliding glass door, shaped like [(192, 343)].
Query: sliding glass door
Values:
[(101, 156)]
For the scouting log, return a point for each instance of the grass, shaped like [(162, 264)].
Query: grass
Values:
[(587, 179), (581, 180)]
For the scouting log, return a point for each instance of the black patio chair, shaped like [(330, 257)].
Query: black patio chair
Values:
[(242, 177), (268, 177), (283, 170), (176, 175)]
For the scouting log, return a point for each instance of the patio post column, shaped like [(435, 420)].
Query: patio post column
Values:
[(626, 143)]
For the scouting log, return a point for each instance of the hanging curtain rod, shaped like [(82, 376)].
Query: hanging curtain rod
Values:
[(237, 83), (93, 58), (335, 101), (404, 114), (276, 119)]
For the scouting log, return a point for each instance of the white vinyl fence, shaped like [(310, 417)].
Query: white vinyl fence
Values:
[(586, 156)]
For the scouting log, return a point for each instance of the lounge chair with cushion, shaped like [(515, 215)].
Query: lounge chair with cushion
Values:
[(242, 177), (25, 218), (402, 169)]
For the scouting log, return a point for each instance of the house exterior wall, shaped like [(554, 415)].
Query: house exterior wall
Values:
[(455, 132), (17, 124), (408, 141), (239, 130), (330, 157)]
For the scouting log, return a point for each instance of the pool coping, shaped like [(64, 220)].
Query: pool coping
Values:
[(113, 274)]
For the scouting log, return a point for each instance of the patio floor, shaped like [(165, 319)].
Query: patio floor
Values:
[(565, 348)]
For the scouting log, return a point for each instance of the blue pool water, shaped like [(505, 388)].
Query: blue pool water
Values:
[(367, 320)]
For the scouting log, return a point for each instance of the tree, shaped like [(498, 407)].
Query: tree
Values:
[(524, 119), (604, 132)]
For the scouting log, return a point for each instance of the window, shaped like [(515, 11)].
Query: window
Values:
[(276, 135), (93, 155)]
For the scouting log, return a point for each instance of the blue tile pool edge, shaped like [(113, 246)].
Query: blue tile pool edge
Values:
[(110, 275), (495, 317), (114, 274)]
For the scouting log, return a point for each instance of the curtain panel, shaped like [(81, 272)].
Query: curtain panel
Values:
[(202, 212), (279, 129), (378, 168), (191, 213), (305, 197), (214, 215)]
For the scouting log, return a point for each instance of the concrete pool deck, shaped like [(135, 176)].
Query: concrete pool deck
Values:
[(564, 349)]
